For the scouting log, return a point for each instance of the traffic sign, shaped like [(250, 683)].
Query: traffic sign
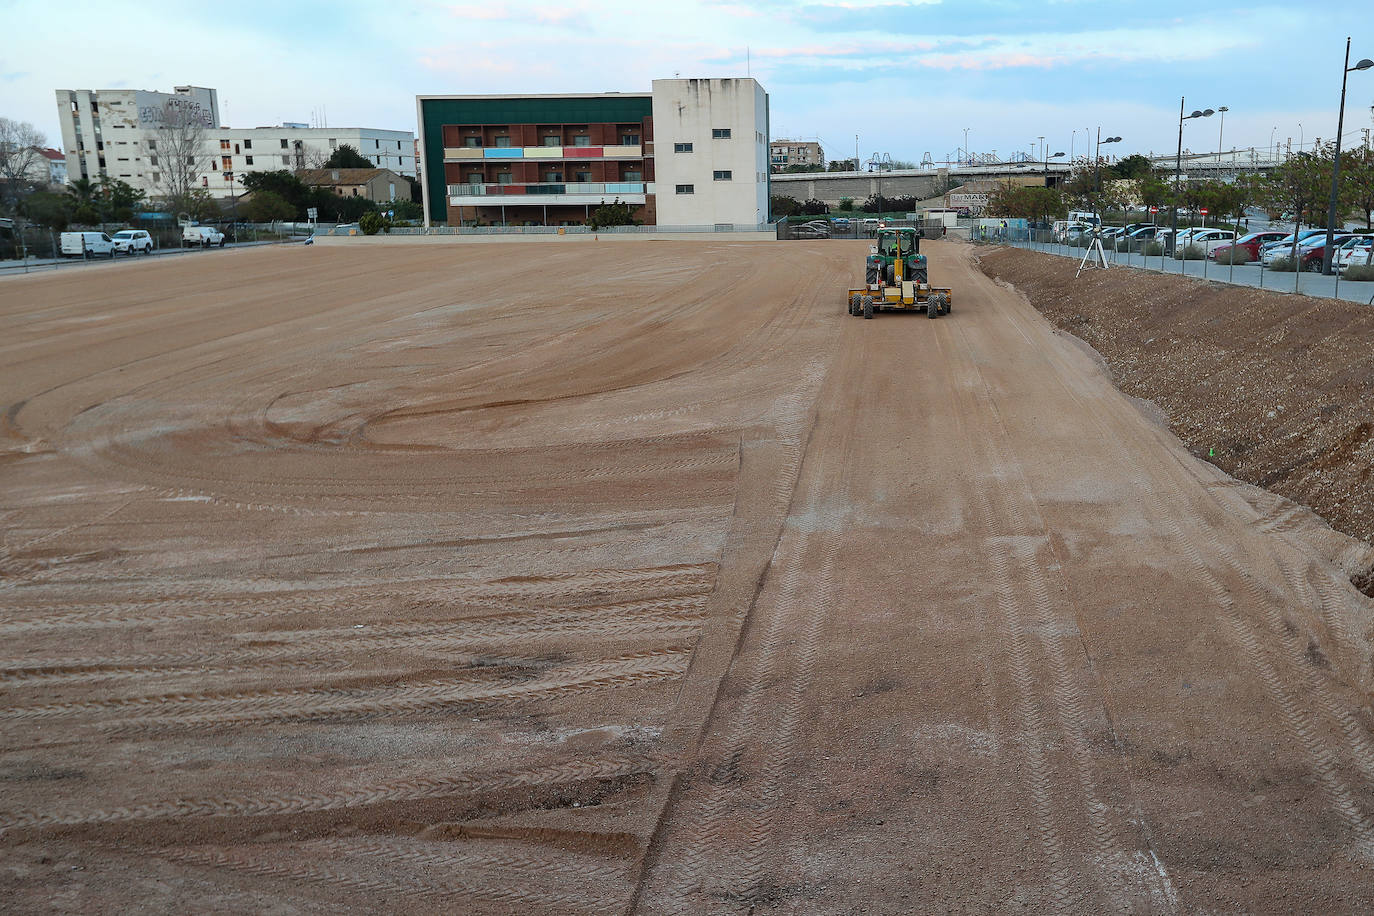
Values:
[(312, 213), (1203, 211), (1154, 209)]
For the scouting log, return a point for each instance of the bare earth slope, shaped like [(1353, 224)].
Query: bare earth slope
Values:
[(345, 579)]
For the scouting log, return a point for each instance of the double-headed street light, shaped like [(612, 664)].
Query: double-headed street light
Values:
[(1178, 159), (1336, 166)]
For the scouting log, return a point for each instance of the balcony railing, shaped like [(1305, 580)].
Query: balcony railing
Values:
[(580, 188), (459, 153)]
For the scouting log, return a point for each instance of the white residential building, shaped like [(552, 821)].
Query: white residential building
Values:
[(114, 132), (711, 152)]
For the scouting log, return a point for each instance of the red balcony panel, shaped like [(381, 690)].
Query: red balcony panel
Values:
[(512, 189), (583, 152)]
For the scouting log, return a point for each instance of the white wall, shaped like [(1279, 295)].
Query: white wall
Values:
[(687, 111)]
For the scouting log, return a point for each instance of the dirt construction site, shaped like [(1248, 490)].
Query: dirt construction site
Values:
[(637, 577)]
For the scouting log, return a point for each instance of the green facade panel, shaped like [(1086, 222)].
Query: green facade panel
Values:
[(435, 113)]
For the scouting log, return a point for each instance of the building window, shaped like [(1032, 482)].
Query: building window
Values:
[(355, 192), (376, 144), (152, 160), (248, 160), (224, 146), (237, 151), (472, 142), (686, 189), (720, 175), (503, 142), (398, 144), (247, 144), (285, 160), (582, 176), (633, 175), (720, 133), (333, 143), (553, 177), (475, 178), (682, 147), (582, 140), (283, 143), (503, 177), (226, 162), (152, 144), (629, 139)]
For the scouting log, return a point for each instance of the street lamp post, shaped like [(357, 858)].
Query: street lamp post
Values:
[(1221, 111), (1097, 164), (1336, 166), (966, 153), (1178, 161)]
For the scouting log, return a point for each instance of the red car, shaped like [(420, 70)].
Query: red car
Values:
[(1250, 243), (1311, 258)]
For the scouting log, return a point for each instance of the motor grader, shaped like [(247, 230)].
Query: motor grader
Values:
[(897, 278)]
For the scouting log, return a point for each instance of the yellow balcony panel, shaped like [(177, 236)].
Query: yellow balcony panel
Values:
[(462, 152)]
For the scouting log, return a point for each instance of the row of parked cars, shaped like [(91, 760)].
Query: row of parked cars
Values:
[(1263, 247), (90, 244)]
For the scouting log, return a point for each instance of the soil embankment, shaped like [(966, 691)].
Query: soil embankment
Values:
[(1277, 390)]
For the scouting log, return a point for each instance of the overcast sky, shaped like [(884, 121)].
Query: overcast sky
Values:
[(906, 77)]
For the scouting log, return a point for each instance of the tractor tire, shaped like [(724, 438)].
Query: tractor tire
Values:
[(871, 275), (946, 304), (921, 275), (933, 307), (866, 304), (854, 304), (889, 274)]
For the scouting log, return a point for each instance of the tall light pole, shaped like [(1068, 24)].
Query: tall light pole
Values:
[(1273, 152), (1221, 111), (1097, 161), (1178, 159), (966, 153), (1336, 166)]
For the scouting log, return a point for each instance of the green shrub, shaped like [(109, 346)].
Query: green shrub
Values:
[(1154, 250), (370, 222), (1283, 265), (1235, 256), (1123, 246), (1190, 253), (1360, 272)]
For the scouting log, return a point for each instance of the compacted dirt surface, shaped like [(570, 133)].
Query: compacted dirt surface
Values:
[(637, 577)]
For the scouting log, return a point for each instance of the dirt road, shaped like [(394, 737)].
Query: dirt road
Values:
[(639, 578)]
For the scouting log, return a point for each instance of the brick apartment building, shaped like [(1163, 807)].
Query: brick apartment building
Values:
[(553, 159)]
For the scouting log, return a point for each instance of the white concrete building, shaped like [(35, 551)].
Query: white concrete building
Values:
[(711, 152), (114, 132)]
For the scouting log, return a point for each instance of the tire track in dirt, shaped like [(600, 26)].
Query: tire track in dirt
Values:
[(1300, 725), (607, 766)]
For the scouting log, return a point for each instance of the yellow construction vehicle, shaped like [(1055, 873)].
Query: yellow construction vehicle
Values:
[(896, 278)]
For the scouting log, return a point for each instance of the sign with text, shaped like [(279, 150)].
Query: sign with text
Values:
[(968, 201)]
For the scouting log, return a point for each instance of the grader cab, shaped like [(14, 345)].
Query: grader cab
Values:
[(897, 278)]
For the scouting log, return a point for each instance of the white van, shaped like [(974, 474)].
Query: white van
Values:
[(87, 244)]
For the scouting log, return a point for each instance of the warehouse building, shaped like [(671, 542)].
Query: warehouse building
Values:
[(692, 152), (116, 133)]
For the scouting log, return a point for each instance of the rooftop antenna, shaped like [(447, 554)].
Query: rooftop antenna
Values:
[(748, 65)]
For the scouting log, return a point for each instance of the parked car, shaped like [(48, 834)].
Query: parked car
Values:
[(86, 244), (1287, 241), (1284, 249), (841, 222), (204, 236), (1250, 243), (1146, 232), (810, 231), (133, 241), (1211, 239), (1354, 252), (1313, 256)]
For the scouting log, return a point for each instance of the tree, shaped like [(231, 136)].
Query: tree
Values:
[(48, 209), (284, 185), (612, 214), (1133, 166), (1357, 180), (346, 157), (370, 223), (843, 165), (182, 158), (20, 145), (784, 206), (118, 199), (846, 205), (267, 206), (1155, 191), (1034, 202), (1299, 184), (814, 207)]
